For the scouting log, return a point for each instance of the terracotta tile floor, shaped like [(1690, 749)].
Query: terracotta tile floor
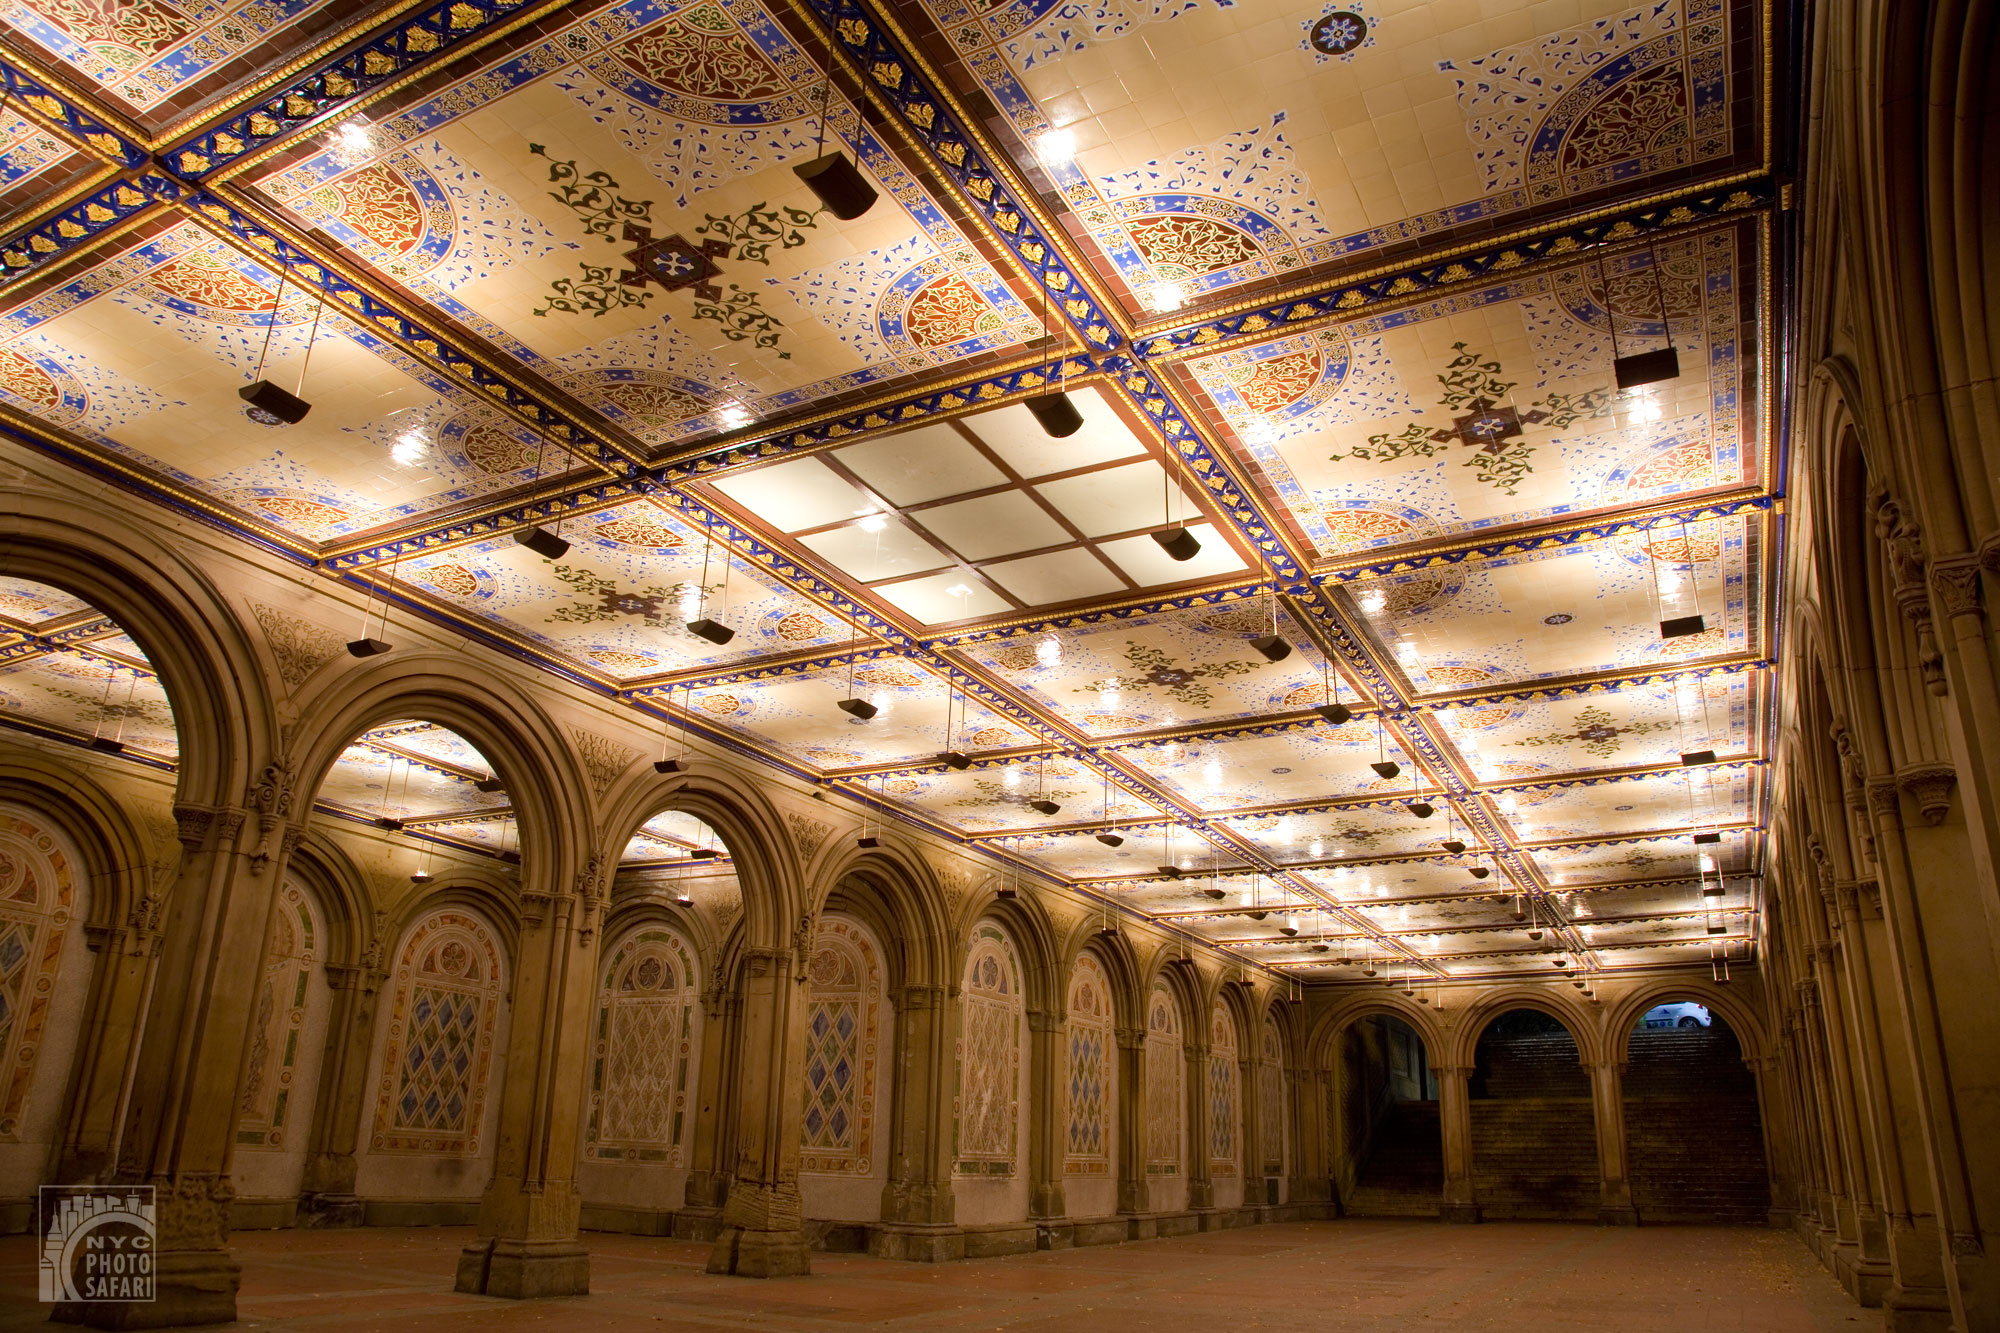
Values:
[(1354, 1274)]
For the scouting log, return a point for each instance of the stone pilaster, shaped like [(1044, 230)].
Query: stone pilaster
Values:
[(763, 1218), (1460, 1204), (1048, 1114), (326, 1193), (1607, 1099)]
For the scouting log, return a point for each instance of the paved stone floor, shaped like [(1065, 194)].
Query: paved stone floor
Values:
[(1350, 1274)]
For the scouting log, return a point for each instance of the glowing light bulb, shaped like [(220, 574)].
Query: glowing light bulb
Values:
[(1167, 297), (409, 448), (1406, 653), (353, 143), (1049, 651), (1707, 862), (959, 590), (733, 415), (1508, 805), (1011, 779), (1318, 848), (1373, 601), (1056, 148)]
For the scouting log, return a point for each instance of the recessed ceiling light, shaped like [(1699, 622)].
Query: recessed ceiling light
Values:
[(875, 523), (1166, 297)]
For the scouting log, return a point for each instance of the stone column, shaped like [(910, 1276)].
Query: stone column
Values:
[(1250, 1149), (1460, 1204), (326, 1193), (528, 1243), (763, 1219), (709, 1145), (1201, 1180), (1133, 1196), (120, 989), (917, 1199), (181, 1129), (1607, 1095), (1048, 1115)]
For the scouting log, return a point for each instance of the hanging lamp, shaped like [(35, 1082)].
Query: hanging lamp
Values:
[(264, 401), (1642, 368), (836, 182), (1271, 647), (1333, 710), (854, 705), (1175, 539), (704, 628), (1109, 837), (1385, 767), (1058, 416), (538, 539), (369, 645)]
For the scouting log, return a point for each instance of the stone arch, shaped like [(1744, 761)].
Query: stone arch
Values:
[(1326, 1030), (1624, 1015), (1115, 955), (849, 1047), (1027, 922), (1465, 1034), (213, 680), (897, 893), (277, 1106), (341, 892), (120, 862), (1168, 1032), (546, 786), (769, 861), (643, 1066), (992, 1051)]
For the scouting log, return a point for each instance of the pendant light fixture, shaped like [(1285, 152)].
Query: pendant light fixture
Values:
[(112, 744), (953, 758), (1042, 804), (1214, 891), (1271, 647), (538, 539), (383, 819), (1642, 368), (1175, 539), (368, 645), (1331, 708), (854, 705), (1057, 415), (1110, 837), (1534, 922), (1419, 807), (1385, 767), (1010, 884), (264, 401), (1452, 842), (422, 874), (702, 627), (1168, 870), (677, 764), (836, 182)]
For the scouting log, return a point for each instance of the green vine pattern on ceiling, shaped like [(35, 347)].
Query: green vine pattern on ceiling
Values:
[(598, 292), (1474, 389), (593, 196), (649, 603), (753, 232), (1596, 731), (1157, 671), (995, 793)]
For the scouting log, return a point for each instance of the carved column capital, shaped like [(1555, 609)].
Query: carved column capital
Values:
[(1046, 1020), (1130, 1039), (1883, 798), (1930, 785), (909, 999), (1955, 585)]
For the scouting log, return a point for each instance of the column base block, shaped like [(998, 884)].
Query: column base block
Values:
[(917, 1243), (331, 1210), (524, 1269), (745, 1253), (192, 1287), (1465, 1214), (1616, 1215)]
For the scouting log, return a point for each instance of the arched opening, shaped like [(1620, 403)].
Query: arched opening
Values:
[(991, 1107), (76, 692), (1392, 1143), (1090, 1091), (675, 898), (1693, 1131), (1534, 1131), (426, 820)]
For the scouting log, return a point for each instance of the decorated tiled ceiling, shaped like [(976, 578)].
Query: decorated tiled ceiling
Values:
[(1337, 287)]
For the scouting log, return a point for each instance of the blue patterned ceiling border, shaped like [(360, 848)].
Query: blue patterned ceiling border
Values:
[(899, 78), (1640, 775), (229, 220), (1352, 649), (568, 502), (28, 89), (84, 222), (1606, 684), (324, 90), (1474, 551), (23, 649), (666, 690), (1345, 300), (1653, 835), (1205, 466), (1023, 629), (704, 462)]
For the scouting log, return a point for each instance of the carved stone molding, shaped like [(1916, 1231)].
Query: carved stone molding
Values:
[(1930, 785), (809, 833), (1046, 1020), (299, 646), (1883, 797), (1955, 585), (603, 759)]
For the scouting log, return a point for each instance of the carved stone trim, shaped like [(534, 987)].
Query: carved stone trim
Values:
[(603, 759), (1930, 787), (1883, 797), (299, 646), (808, 833), (1955, 586)]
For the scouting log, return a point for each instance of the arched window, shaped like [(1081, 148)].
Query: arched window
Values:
[(269, 1113), (989, 1055), (1221, 1092), (1090, 1081), (38, 907), (1164, 1069), (448, 979), (644, 1047), (1271, 1100), (843, 1011)]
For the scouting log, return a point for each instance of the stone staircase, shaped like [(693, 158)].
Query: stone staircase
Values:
[(1693, 1137), (1535, 1158), (1403, 1174)]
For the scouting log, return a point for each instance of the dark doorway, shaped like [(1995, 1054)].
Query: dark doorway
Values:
[(1534, 1136), (1394, 1157), (1694, 1138)]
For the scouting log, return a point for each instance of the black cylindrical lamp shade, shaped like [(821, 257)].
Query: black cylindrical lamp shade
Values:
[(1057, 414), (542, 542), (838, 184), (275, 403), (1178, 543)]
